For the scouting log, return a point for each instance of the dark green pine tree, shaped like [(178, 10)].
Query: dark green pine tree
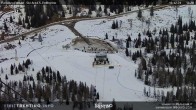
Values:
[(172, 29), (127, 43), (150, 35), (64, 91), (105, 10), (116, 26), (100, 9), (32, 22), (38, 76), (73, 98), (180, 79), (23, 23), (34, 85), (113, 39), (175, 29), (129, 38), (20, 67), (97, 95), (106, 36), (167, 97), (194, 45), (180, 31), (133, 57), (63, 14), (58, 77), (160, 32), (89, 12), (113, 105), (153, 61), (24, 92), (19, 21), (126, 52), (54, 76), (144, 67), (11, 19), (151, 11), (47, 69), (6, 77), (113, 25), (172, 40), (26, 19), (146, 78), (11, 69), (139, 15), (70, 12), (38, 92), (195, 36), (30, 92), (24, 78), (16, 70), (67, 100), (28, 25), (185, 96), (167, 44), (5, 27)]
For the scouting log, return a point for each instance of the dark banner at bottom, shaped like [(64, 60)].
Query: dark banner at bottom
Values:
[(99, 106)]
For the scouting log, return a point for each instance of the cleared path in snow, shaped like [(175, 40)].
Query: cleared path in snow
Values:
[(74, 20)]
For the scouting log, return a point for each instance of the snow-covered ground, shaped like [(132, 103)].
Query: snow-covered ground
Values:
[(119, 83), (13, 28), (163, 18)]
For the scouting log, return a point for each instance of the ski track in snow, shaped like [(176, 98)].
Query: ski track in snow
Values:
[(118, 83)]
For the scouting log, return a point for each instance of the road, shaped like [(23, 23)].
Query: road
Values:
[(1, 15), (71, 23)]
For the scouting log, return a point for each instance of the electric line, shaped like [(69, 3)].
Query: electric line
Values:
[(41, 56), (13, 97), (18, 93)]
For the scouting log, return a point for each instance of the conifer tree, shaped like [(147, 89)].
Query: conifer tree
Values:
[(113, 25), (16, 70), (127, 52), (26, 19), (139, 15), (116, 26), (113, 105), (5, 27), (70, 12), (151, 11), (11, 19), (30, 92), (144, 67), (24, 78), (2, 71), (105, 10), (106, 36), (19, 21), (100, 9), (97, 96), (63, 14), (11, 69), (6, 77)]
